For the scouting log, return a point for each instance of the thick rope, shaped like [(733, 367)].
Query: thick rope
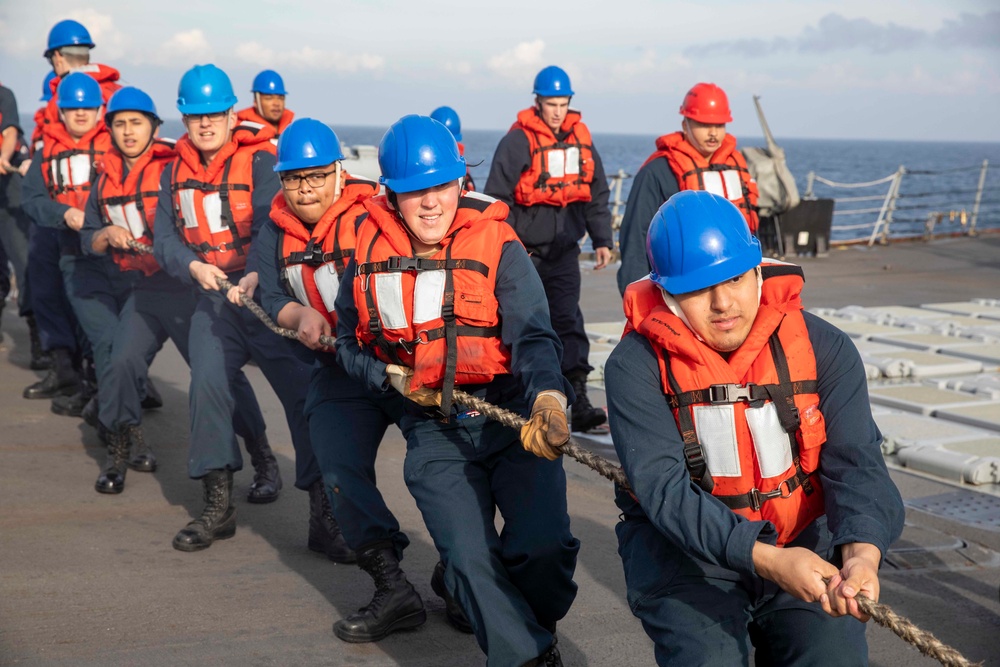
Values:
[(597, 463), (925, 642)]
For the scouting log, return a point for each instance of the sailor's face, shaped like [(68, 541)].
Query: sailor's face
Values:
[(429, 213), (308, 202), (79, 122), (553, 111), (210, 132), (723, 314), (270, 107), (705, 138), (131, 132)]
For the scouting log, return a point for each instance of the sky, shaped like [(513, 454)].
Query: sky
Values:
[(843, 69)]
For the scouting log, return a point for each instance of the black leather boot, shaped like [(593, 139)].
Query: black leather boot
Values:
[(142, 459), (91, 412), (266, 476), (72, 406), (217, 520), (452, 610), (112, 477), (153, 399), (550, 658), (61, 380), (395, 606), (40, 360), (583, 415), (324, 533)]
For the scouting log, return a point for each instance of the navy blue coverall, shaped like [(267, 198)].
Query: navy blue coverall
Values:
[(346, 421), (158, 307), (515, 585), (654, 184), (688, 558), (224, 337), (15, 224), (50, 240), (552, 235)]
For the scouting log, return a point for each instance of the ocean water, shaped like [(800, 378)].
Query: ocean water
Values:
[(941, 176)]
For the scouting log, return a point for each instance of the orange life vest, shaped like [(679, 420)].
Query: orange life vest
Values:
[(104, 75), (751, 423), (213, 204), (68, 165), (725, 174), (36, 135), (130, 201), (561, 170), (439, 315), (250, 114), (313, 259)]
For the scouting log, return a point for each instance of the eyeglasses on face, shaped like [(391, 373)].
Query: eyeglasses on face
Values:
[(198, 117), (315, 179)]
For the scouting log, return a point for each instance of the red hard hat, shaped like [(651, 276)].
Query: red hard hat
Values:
[(706, 103)]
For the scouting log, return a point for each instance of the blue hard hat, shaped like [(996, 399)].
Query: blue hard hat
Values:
[(268, 82), (416, 153), (47, 87), (306, 143), (79, 91), (553, 82), (696, 240), (449, 118), (205, 89), (68, 33), (131, 99)]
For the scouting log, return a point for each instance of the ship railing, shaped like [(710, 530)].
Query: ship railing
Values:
[(617, 205), (910, 214)]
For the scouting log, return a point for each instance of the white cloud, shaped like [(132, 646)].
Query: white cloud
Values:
[(307, 57), (520, 63), (111, 43), (186, 46), (458, 67), (16, 43)]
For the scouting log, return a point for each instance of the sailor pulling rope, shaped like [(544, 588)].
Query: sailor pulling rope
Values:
[(924, 641)]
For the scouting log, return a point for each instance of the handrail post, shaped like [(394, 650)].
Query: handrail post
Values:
[(888, 205), (810, 178), (979, 197)]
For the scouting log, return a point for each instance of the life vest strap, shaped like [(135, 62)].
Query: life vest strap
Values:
[(755, 498), (208, 187), (400, 264), (311, 257), (235, 245), (718, 394)]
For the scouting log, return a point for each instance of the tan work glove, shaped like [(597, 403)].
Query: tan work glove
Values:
[(400, 378), (547, 429)]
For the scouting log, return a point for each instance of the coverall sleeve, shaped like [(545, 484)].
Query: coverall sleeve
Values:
[(272, 294), (35, 199), (862, 502), (597, 215), (91, 220), (511, 158), (525, 328), (653, 185), (650, 449), (8, 110), (265, 186), (359, 362), (168, 247)]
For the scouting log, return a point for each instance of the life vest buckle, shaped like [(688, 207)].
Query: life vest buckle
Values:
[(729, 393), (397, 263), (758, 497)]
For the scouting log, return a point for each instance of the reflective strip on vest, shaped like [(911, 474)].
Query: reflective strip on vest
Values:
[(211, 205), (75, 170), (559, 162), (428, 297), (293, 274), (770, 441), (716, 428), (724, 183), (326, 279), (328, 284), (126, 217)]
